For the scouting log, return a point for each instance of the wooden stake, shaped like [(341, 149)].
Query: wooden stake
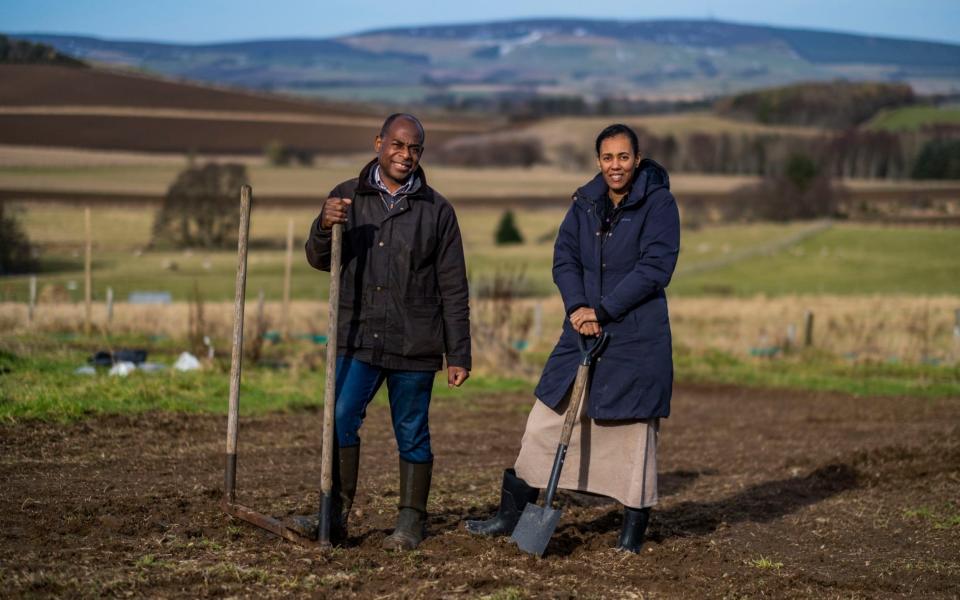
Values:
[(240, 291), (87, 275), (808, 328), (109, 305), (287, 269), (32, 306)]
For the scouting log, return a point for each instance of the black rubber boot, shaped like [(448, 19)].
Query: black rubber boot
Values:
[(634, 527), (412, 518), (346, 468), (514, 496)]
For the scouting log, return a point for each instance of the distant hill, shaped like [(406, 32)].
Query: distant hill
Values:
[(21, 52), (44, 105), (581, 57)]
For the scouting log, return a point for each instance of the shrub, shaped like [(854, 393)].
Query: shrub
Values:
[(939, 159), (201, 208), (280, 155), (491, 150), (507, 231), (16, 254), (803, 190)]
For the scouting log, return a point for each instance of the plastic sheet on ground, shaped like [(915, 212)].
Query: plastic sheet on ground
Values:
[(186, 362)]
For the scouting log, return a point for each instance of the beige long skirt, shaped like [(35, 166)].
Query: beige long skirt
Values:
[(611, 458)]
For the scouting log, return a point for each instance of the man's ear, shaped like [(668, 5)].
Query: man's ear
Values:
[(377, 143)]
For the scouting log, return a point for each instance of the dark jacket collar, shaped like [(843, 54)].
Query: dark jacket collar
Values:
[(364, 186), (648, 178)]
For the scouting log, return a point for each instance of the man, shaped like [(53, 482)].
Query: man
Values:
[(403, 307)]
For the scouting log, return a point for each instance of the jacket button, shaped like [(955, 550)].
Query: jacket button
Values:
[(380, 244), (379, 288), (598, 233), (376, 335)]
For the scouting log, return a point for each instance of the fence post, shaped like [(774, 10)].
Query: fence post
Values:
[(87, 276), (109, 305), (537, 324), (32, 304), (808, 328), (285, 318), (956, 325)]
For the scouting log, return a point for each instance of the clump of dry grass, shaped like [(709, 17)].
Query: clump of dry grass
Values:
[(905, 328)]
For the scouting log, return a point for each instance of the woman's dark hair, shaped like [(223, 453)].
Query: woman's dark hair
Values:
[(619, 129)]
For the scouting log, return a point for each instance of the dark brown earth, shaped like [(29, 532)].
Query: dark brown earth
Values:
[(763, 494)]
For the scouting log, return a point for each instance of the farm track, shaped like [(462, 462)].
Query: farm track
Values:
[(776, 494)]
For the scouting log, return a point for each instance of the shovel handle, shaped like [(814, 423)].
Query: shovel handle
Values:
[(580, 391), (577, 396), (329, 396), (330, 391)]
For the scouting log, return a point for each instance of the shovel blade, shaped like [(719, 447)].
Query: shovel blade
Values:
[(535, 528)]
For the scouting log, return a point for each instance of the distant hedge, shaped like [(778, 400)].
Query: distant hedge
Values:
[(939, 159), (837, 104), (20, 52)]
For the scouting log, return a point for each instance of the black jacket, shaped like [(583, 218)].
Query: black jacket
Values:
[(404, 301)]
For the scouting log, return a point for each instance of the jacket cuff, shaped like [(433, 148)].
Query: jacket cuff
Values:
[(603, 317), (458, 361), (576, 306)]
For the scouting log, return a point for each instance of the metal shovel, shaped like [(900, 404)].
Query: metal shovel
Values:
[(537, 523)]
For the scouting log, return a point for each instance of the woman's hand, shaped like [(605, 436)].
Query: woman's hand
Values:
[(584, 320)]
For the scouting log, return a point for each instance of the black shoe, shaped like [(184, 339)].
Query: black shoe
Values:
[(346, 469), (412, 518), (514, 496), (634, 527)]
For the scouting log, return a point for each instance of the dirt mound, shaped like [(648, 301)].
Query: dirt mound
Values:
[(760, 496)]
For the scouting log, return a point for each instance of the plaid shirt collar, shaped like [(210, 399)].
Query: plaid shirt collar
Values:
[(411, 185)]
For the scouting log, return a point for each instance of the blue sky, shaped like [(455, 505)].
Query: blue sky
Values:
[(222, 20)]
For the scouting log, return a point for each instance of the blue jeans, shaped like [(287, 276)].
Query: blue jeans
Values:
[(409, 393)]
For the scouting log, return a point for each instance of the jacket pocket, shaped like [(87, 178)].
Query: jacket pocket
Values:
[(423, 327)]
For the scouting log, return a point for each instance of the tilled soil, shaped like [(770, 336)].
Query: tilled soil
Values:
[(763, 494)]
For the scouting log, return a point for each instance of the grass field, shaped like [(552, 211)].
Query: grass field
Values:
[(844, 259), (40, 382), (847, 259), (912, 118)]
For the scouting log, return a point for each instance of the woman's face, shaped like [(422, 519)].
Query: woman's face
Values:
[(617, 162)]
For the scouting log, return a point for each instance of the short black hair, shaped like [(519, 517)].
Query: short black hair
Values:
[(389, 121), (619, 129)]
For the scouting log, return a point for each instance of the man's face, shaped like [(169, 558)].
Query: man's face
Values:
[(399, 151)]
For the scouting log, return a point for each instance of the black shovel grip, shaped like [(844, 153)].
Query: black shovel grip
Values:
[(589, 353)]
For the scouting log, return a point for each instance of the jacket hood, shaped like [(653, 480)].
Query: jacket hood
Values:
[(649, 177), (363, 185)]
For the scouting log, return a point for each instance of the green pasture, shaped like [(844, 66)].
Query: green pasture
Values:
[(39, 382), (911, 118), (846, 259), (39, 379), (740, 259)]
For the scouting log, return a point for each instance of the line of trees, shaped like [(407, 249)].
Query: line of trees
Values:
[(834, 104), (851, 153), (21, 52)]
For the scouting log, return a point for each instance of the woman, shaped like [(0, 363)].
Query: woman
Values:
[(613, 257)]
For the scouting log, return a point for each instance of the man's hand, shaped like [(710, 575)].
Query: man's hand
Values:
[(456, 376), (334, 211), (584, 320)]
